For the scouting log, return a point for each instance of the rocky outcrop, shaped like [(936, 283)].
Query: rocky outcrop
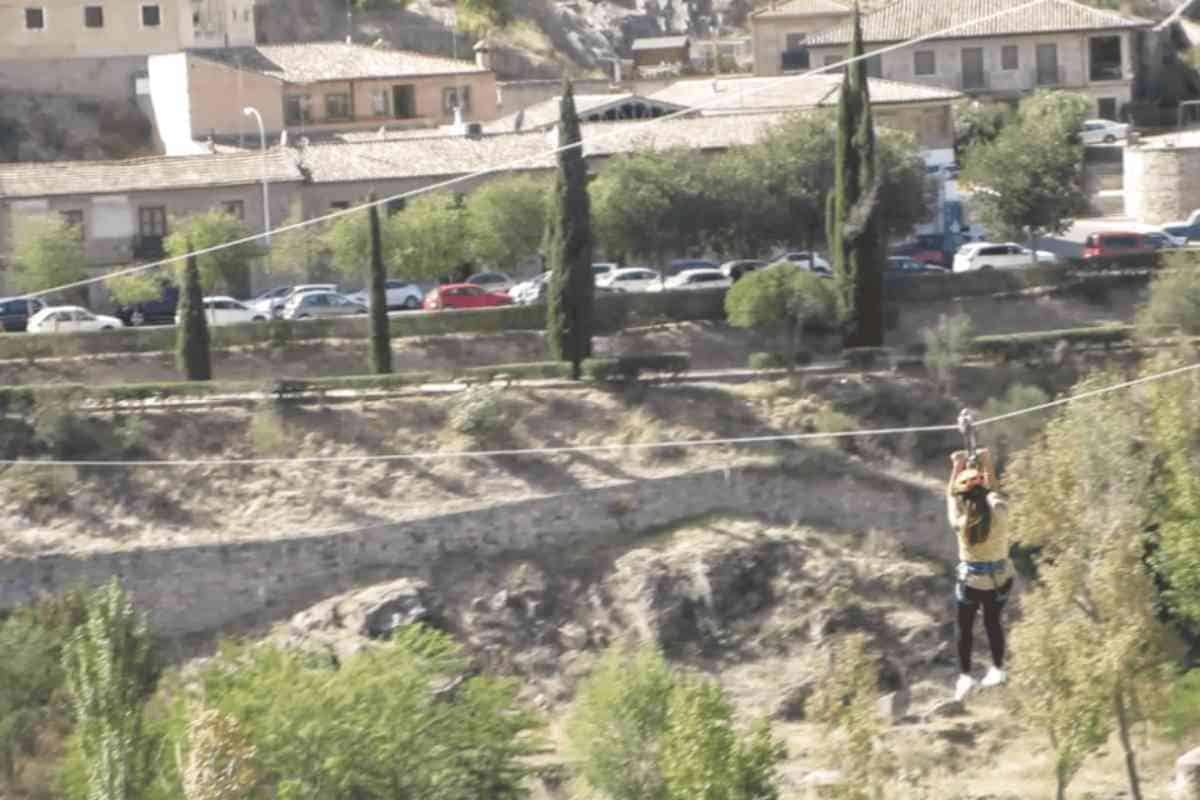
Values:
[(347, 623)]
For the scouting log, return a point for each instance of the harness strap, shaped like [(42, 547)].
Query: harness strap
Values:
[(985, 567)]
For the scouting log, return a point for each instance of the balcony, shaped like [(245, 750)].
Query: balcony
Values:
[(1105, 71), (147, 248)]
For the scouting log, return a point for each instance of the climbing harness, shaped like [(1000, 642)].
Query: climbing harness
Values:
[(966, 426)]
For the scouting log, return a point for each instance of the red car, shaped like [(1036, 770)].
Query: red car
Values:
[(464, 295)]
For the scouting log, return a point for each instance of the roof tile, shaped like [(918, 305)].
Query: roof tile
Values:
[(314, 62)]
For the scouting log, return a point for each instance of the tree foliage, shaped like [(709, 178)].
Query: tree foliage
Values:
[(856, 233), (109, 665), (782, 299), (505, 219), (226, 270), (639, 731), (572, 288), (47, 252), (401, 719), (1027, 181), (139, 287), (431, 237), (193, 355), (301, 255), (1174, 298)]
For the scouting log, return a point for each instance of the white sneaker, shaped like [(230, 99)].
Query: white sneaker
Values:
[(994, 677), (966, 684)]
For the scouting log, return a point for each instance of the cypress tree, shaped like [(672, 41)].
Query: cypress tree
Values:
[(856, 234), (192, 355), (569, 247), (381, 340)]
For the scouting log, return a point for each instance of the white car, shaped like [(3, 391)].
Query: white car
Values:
[(227, 311), (1102, 131), (529, 291), (70, 319), (804, 259), (631, 279), (400, 294), (492, 281), (272, 301), (989, 255), (602, 268), (698, 279)]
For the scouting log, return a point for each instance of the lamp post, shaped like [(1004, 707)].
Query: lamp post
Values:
[(250, 111)]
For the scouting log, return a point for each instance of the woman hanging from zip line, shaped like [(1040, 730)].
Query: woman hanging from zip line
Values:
[(984, 576)]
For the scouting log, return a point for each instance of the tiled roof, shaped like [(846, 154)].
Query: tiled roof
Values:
[(457, 155), (334, 61), (546, 112), (735, 95), (803, 8), (907, 19), (659, 43), (44, 179)]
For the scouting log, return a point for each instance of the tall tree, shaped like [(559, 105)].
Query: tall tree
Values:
[(192, 355), (48, 252), (109, 666), (505, 220), (572, 285), (855, 232), (381, 340), (226, 270)]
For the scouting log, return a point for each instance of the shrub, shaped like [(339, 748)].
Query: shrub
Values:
[(1183, 710), (1174, 298), (630, 367), (477, 412), (867, 357), (778, 361), (783, 300), (947, 345), (1009, 436)]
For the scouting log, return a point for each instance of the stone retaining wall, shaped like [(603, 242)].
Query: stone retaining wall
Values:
[(1162, 184), (206, 587)]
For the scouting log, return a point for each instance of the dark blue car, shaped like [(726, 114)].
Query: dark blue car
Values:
[(16, 311)]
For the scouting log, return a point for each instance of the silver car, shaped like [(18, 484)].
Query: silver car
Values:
[(321, 304)]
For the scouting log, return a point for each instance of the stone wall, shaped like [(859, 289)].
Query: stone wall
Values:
[(1162, 183), (206, 587), (99, 78)]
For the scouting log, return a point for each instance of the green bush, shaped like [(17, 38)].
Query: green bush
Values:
[(630, 367), (947, 345), (766, 361), (1040, 345), (1174, 298), (477, 412), (1183, 712), (1007, 437)]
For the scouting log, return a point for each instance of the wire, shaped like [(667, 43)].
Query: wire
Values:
[(624, 129), (435, 455)]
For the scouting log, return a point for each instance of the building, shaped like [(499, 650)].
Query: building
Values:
[(924, 111), (316, 88), (729, 54), (657, 52), (125, 209), (1162, 177), (1055, 44), (780, 32), (589, 108), (41, 30)]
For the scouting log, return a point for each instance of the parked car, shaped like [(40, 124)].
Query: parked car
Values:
[(530, 291), (601, 268), (303, 305), (1117, 243), (808, 260), (70, 319), (631, 279), (1161, 240), (222, 310), (272, 301), (464, 295), (929, 248), (16, 311), (902, 265), (989, 255), (492, 281), (1102, 131), (739, 267), (698, 279), (159, 311), (400, 294), (683, 264), (1185, 231)]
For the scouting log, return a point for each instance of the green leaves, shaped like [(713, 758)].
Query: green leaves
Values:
[(225, 270), (783, 299), (505, 220), (639, 731), (47, 252)]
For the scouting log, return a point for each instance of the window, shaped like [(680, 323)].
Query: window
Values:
[(152, 221), (1047, 64), (972, 68), (874, 66), (456, 97), (1107, 108), (35, 19), (93, 16), (234, 208), (339, 205), (404, 101), (924, 62), (379, 102), (337, 106), (1105, 58), (296, 109), (74, 218), (795, 41), (1010, 57), (151, 16)]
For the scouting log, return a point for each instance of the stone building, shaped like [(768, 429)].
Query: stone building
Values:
[(1162, 177)]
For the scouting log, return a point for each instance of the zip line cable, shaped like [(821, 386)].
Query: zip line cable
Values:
[(625, 129), (598, 448)]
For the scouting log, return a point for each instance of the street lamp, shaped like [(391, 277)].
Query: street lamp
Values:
[(250, 111)]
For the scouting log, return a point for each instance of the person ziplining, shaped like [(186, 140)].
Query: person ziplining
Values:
[(984, 578)]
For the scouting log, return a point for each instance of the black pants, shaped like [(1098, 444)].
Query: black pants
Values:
[(969, 601)]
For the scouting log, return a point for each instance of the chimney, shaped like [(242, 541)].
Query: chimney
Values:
[(483, 54)]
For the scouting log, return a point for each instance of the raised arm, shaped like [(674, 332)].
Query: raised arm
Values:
[(958, 461), (989, 469)]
